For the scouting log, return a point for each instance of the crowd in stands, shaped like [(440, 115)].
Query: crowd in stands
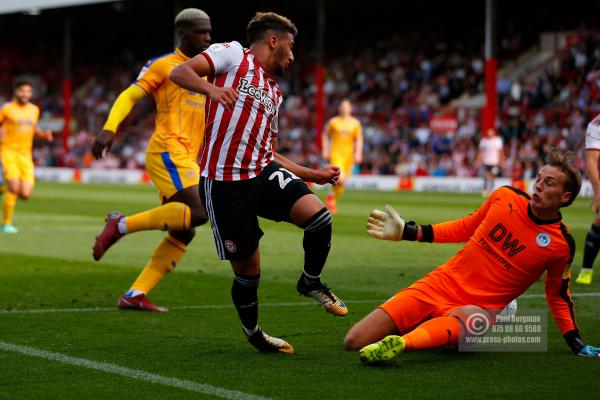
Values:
[(396, 87)]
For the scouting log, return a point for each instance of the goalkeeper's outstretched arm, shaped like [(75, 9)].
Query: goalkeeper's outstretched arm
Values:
[(389, 225)]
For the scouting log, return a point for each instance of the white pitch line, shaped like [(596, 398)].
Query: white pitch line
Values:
[(542, 295), (131, 373), (61, 228), (192, 307), (220, 306)]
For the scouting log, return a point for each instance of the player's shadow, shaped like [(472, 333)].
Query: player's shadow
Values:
[(437, 357)]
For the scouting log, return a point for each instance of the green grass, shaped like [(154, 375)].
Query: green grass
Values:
[(48, 265)]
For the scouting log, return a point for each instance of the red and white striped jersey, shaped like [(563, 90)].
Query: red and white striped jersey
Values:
[(592, 134), (237, 143)]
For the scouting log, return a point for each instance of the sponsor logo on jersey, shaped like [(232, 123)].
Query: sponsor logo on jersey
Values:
[(542, 239), (263, 97), (501, 235)]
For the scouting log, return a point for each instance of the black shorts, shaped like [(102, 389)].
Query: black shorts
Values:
[(492, 169), (233, 208)]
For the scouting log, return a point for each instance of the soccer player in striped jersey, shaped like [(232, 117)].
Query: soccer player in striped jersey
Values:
[(171, 160), (511, 240), (19, 123), (342, 146), (243, 177), (592, 239)]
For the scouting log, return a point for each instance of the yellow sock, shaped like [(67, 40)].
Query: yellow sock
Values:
[(9, 202), (337, 191), (164, 259), (168, 217)]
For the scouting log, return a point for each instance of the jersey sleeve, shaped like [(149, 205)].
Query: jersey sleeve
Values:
[(223, 56), (460, 230), (358, 131), (499, 143), (592, 135), (2, 113), (152, 75), (36, 114)]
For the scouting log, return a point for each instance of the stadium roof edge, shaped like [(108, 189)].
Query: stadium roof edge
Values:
[(32, 6)]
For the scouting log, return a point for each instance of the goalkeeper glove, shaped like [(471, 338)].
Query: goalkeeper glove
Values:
[(389, 225), (589, 351)]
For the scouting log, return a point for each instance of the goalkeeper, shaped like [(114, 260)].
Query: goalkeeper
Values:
[(511, 240)]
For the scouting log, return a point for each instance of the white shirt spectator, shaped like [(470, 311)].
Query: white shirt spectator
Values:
[(490, 150)]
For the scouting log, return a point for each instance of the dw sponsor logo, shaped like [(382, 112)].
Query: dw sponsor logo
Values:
[(500, 234)]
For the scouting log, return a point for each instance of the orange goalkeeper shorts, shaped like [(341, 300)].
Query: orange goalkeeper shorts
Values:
[(411, 307)]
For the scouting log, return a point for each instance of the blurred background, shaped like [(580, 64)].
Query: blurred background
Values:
[(415, 72)]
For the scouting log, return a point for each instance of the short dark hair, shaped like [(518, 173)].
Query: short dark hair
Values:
[(564, 162), (263, 23), (21, 82)]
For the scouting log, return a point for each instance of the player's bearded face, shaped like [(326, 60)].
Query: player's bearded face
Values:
[(23, 94), (283, 54)]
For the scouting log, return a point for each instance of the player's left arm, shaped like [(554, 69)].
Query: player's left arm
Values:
[(389, 225), (43, 134), (558, 298), (325, 150), (328, 174), (502, 157), (2, 129), (358, 145)]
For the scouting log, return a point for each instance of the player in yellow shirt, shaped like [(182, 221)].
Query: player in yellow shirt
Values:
[(19, 123), (342, 146), (171, 160)]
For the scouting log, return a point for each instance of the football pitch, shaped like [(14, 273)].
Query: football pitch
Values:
[(61, 336)]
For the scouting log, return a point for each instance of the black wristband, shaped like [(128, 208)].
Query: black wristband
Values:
[(574, 341), (410, 231), (427, 231)]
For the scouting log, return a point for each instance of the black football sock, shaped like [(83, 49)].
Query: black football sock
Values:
[(244, 293), (592, 246), (316, 243)]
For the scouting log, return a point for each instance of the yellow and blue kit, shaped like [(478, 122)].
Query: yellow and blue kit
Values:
[(343, 134), (171, 156), (19, 122)]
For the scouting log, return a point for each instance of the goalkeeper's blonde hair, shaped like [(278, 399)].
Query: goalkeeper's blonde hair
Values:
[(564, 162), (190, 15)]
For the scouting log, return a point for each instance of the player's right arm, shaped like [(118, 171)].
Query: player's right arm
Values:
[(118, 112), (215, 60)]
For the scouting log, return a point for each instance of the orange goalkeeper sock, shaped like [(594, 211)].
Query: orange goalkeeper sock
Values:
[(164, 259), (9, 202), (168, 217), (433, 334)]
